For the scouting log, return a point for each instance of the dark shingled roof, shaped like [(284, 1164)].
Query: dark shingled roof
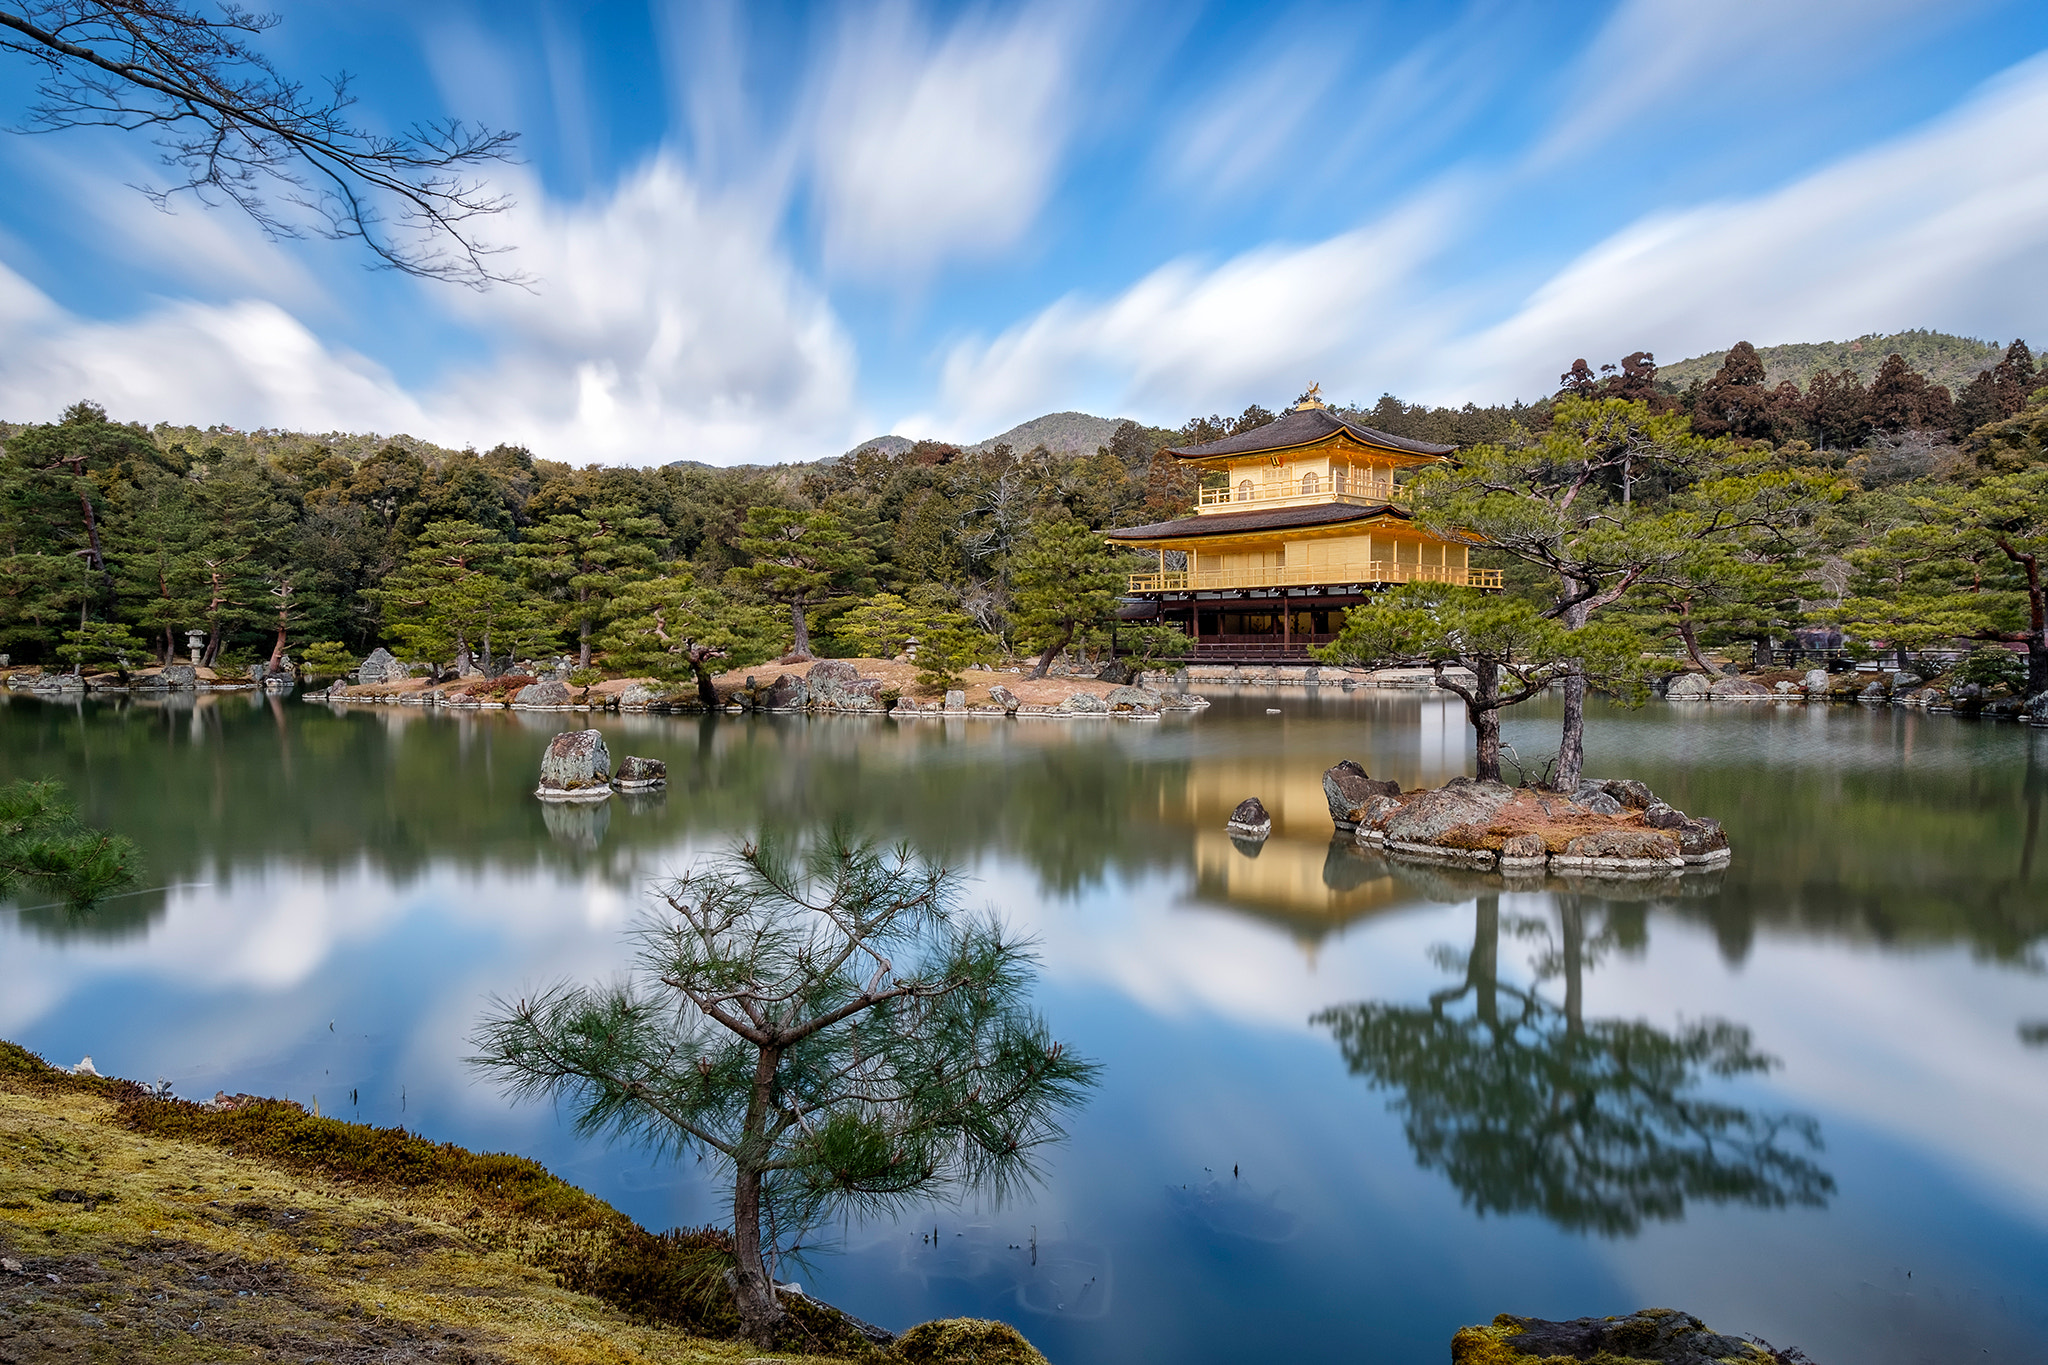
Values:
[(1275, 519), (1298, 427)]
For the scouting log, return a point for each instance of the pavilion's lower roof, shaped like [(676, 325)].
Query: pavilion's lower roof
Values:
[(1272, 519)]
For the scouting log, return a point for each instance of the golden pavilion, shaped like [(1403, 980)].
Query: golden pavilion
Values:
[(1295, 521)]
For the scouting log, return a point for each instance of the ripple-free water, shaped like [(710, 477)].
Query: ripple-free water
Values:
[(1346, 1106)]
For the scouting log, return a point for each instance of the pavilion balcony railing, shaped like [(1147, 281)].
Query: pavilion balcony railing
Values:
[(1379, 571), (1363, 492)]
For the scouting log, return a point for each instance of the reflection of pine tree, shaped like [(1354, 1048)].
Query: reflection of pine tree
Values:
[(1598, 1126)]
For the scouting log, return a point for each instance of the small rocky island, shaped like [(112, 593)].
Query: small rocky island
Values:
[(1611, 827), (1649, 1336)]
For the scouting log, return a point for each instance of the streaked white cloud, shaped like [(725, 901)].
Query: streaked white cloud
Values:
[(1190, 337), (1934, 229), (662, 324), (930, 147), (1654, 57), (1251, 130)]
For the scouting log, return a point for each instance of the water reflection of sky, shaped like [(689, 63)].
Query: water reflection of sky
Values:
[(339, 939)]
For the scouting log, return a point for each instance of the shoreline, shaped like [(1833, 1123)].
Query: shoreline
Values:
[(247, 1228)]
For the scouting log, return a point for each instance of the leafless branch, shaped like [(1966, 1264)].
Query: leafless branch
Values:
[(237, 130)]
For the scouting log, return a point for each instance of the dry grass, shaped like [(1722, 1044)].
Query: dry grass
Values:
[(164, 1231)]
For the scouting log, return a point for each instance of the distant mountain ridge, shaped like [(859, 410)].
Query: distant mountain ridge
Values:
[(1944, 358), (1062, 433)]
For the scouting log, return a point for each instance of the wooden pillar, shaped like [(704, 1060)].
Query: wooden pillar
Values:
[(1286, 623)]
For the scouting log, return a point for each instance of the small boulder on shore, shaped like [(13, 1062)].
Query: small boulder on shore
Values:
[(576, 767), (1347, 788), (542, 694), (1660, 1335)]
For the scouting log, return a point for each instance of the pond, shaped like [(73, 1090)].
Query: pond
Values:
[(1346, 1106)]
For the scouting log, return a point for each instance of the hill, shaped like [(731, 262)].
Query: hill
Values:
[(1943, 358), (1062, 433)]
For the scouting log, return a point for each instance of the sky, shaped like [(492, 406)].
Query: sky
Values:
[(767, 232)]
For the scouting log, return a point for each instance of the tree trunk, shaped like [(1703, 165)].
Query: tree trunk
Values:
[(1483, 710), (583, 645), (1571, 744), (1572, 928), (1045, 659), (753, 1290), (2037, 617), (1689, 636), (801, 646), (707, 691)]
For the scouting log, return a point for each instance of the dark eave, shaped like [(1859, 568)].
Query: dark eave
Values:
[(1300, 427), (1274, 519)]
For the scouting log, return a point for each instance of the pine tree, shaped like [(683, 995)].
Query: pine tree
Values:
[(1065, 578), (801, 559), (584, 560), (675, 628), (455, 598)]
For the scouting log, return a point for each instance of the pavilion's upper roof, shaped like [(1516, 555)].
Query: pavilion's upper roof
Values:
[(1273, 519), (1304, 426)]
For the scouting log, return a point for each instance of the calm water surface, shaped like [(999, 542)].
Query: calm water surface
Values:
[(1798, 1098)]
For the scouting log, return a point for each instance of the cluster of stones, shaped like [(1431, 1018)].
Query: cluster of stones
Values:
[(578, 767), (1617, 827), (1660, 1335), (1822, 686), (835, 685), (172, 678)]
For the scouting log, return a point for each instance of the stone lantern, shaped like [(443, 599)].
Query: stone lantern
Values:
[(195, 641)]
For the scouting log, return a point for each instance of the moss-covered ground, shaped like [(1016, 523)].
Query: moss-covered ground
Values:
[(135, 1229)]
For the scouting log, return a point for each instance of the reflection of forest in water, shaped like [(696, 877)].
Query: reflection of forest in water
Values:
[(1597, 1125), (1871, 825)]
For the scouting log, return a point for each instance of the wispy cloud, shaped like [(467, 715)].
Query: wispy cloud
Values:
[(1190, 337), (1932, 229), (936, 146)]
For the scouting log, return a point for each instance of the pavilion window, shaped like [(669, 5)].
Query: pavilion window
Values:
[(1244, 491), (1311, 484)]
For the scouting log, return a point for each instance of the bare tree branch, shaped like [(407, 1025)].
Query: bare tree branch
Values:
[(236, 129)]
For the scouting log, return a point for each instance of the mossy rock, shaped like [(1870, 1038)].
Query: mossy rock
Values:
[(965, 1341), (1650, 1336)]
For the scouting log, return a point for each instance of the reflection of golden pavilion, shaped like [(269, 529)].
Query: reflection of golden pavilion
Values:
[(1301, 876), (1296, 521)]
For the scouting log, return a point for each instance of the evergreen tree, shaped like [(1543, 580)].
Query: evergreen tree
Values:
[(1512, 650), (1066, 578), (834, 1033), (584, 560), (454, 597), (675, 628), (43, 845), (804, 560)]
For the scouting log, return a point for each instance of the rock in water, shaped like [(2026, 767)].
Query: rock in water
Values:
[(1133, 700), (1250, 820), (1085, 703), (1005, 698), (956, 700), (1689, 687), (1738, 689), (379, 667), (1348, 789), (576, 767), (640, 774), (180, 677), (542, 694), (1659, 1335), (1816, 682)]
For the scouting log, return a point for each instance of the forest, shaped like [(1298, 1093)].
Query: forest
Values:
[(1895, 511)]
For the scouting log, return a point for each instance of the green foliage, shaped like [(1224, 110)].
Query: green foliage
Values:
[(101, 643), (585, 677), (328, 659), (583, 560), (948, 642), (455, 594), (672, 628), (1944, 359), (965, 1341), (44, 846), (801, 559), (1065, 579), (758, 1031), (1991, 666), (1152, 646)]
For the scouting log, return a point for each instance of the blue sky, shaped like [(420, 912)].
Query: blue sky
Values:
[(767, 231)]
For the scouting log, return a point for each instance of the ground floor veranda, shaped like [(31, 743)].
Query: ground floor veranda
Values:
[(1278, 625)]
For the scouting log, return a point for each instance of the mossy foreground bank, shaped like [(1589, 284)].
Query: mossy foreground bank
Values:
[(135, 1228)]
